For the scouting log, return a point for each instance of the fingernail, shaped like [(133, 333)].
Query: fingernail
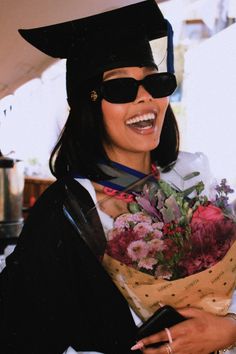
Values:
[(137, 346)]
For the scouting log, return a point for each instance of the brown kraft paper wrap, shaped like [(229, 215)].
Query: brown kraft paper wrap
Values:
[(210, 290)]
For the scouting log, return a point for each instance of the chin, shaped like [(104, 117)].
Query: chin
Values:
[(149, 146)]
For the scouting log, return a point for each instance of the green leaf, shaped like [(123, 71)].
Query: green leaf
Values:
[(197, 187), (166, 188), (134, 207), (171, 203), (191, 175), (168, 214)]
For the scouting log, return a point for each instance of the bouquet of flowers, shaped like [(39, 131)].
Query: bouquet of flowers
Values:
[(174, 249)]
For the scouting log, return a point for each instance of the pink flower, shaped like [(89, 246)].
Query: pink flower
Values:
[(137, 250), (157, 234), (156, 245), (123, 221), (142, 229), (142, 217), (162, 272), (158, 225), (147, 263), (129, 220)]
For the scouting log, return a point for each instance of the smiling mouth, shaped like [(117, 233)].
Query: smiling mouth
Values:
[(145, 121)]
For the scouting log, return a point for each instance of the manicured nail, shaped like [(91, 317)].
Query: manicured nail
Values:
[(137, 346)]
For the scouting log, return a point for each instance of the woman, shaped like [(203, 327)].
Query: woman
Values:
[(55, 294)]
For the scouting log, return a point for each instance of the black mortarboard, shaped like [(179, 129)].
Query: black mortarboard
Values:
[(104, 41)]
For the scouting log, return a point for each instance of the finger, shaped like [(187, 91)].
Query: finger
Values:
[(138, 346), (156, 338), (164, 349), (190, 312), (176, 333)]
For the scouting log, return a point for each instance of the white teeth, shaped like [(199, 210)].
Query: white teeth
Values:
[(147, 116)]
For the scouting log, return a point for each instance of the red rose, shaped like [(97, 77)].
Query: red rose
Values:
[(212, 235), (207, 213), (205, 225)]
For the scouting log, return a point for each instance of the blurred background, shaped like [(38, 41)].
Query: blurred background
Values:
[(33, 106)]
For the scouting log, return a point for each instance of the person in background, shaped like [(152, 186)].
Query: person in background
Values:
[(55, 295)]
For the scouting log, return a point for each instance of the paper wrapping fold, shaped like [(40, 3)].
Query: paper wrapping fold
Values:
[(210, 290)]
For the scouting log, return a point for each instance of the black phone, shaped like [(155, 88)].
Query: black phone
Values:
[(164, 317)]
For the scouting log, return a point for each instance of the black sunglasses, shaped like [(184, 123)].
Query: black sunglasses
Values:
[(125, 89)]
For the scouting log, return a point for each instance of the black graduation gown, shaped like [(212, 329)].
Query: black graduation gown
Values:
[(54, 293)]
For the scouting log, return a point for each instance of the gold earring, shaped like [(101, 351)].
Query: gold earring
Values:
[(93, 95)]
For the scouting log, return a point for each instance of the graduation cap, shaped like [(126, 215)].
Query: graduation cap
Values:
[(105, 41)]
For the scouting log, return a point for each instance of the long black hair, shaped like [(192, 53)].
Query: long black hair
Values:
[(80, 146)]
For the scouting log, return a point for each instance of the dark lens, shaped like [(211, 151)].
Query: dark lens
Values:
[(120, 90), (160, 84)]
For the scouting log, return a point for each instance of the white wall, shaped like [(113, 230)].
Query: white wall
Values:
[(32, 118), (210, 99)]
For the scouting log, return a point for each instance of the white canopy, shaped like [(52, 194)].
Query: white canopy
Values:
[(19, 61)]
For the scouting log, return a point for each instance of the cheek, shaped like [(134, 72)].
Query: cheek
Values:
[(113, 115), (162, 104)]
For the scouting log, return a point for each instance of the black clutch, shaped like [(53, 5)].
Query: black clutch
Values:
[(164, 317)]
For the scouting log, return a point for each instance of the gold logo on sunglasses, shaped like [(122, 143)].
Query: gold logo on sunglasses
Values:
[(93, 95)]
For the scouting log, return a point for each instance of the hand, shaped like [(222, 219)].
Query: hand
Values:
[(202, 333)]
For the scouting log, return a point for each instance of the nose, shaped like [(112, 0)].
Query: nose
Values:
[(143, 95)]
